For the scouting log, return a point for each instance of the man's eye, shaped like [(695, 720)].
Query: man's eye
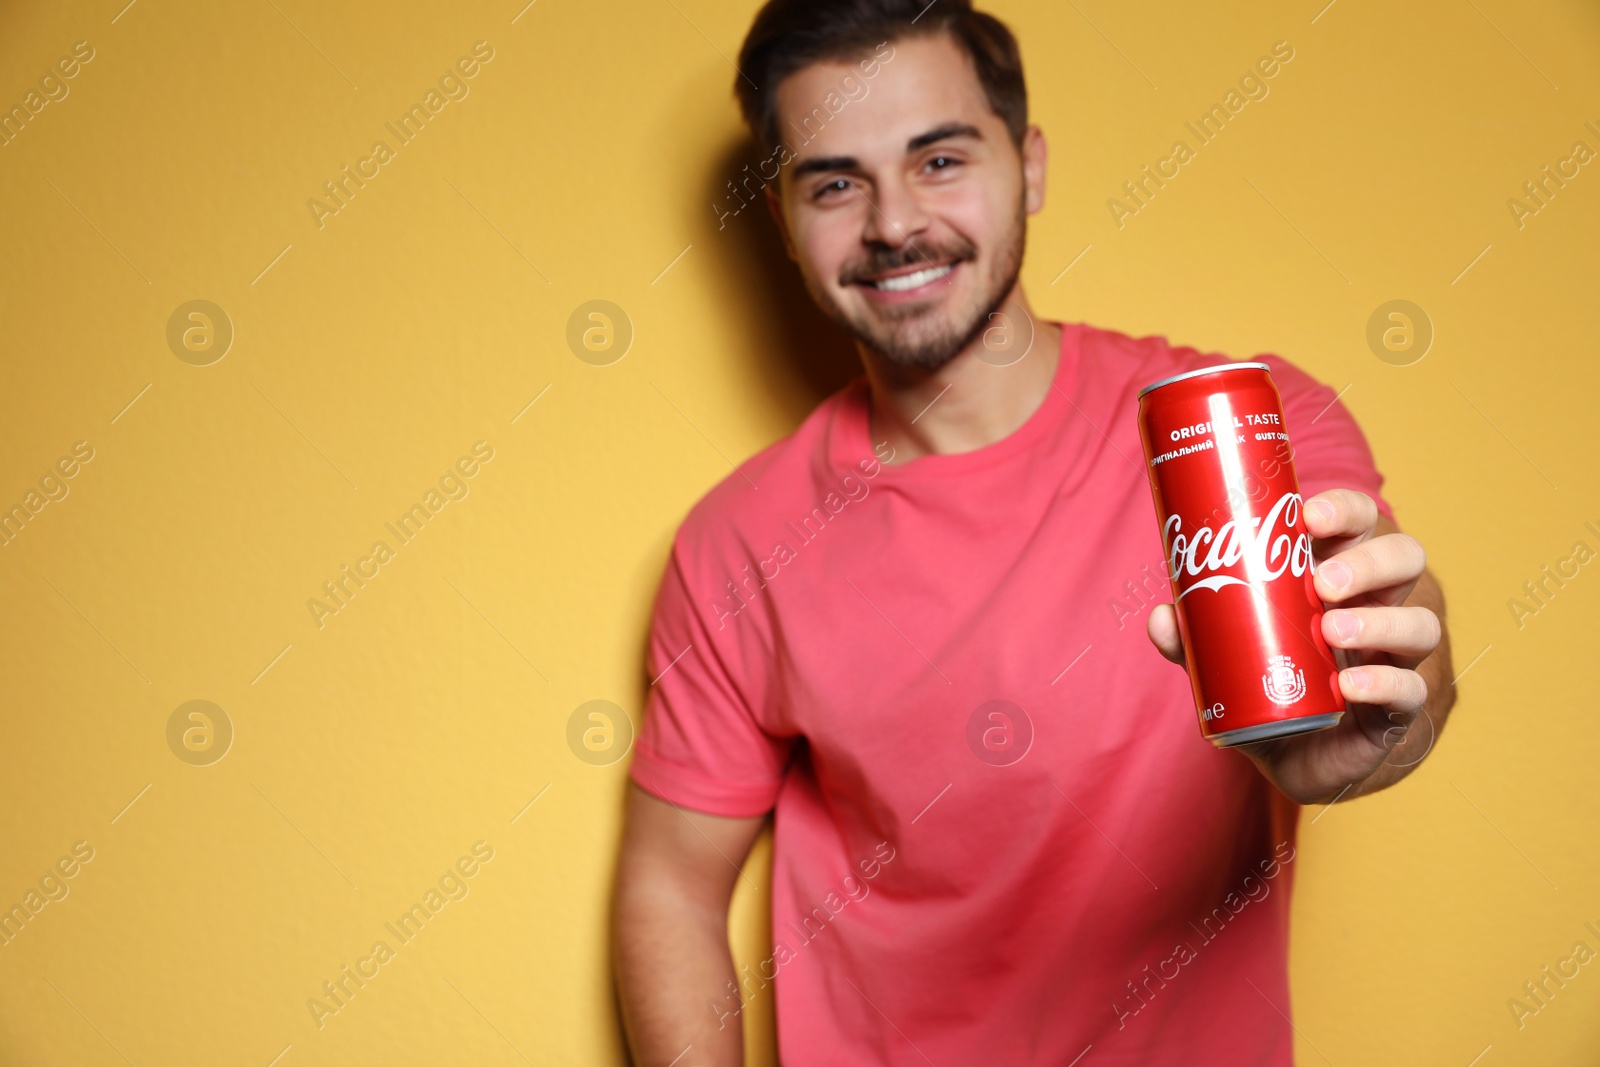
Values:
[(941, 162), (838, 185)]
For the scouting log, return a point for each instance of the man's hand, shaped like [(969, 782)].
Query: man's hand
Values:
[(1385, 624)]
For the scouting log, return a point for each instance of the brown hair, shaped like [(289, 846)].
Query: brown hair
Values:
[(788, 35)]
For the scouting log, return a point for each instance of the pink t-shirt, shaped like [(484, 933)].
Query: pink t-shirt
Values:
[(1000, 837)]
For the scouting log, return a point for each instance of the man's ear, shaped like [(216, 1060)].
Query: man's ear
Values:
[(1034, 158), (775, 209)]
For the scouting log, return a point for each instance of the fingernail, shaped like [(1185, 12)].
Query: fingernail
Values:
[(1358, 678), (1322, 508), (1345, 623), (1337, 575)]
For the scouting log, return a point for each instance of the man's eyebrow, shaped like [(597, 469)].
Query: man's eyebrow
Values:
[(941, 133), (823, 164), (923, 140)]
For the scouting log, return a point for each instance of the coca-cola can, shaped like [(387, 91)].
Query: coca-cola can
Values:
[(1238, 554)]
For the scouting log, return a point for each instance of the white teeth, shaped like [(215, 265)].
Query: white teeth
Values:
[(911, 281)]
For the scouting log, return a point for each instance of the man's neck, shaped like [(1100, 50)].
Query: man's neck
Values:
[(976, 399)]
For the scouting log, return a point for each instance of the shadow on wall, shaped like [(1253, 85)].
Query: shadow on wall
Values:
[(795, 342), (793, 353), (793, 350)]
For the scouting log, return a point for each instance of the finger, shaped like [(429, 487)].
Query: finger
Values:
[(1319, 768), (1395, 697), (1340, 518), (1409, 742), (1386, 566), (1162, 627), (1411, 633)]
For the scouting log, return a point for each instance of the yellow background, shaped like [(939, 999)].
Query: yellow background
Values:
[(370, 753)]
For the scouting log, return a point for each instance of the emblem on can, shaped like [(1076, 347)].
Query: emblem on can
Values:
[(1283, 682)]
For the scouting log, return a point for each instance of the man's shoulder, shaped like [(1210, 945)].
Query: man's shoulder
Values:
[(1136, 362), (748, 507)]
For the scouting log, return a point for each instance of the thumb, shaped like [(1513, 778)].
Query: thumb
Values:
[(1163, 630)]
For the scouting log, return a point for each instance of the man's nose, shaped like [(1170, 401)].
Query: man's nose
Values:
[(896, 215)]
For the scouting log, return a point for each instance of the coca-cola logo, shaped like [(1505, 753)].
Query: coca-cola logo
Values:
[(1270, 545)]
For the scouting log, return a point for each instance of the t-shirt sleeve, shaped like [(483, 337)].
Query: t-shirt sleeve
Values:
[(701, 745), (1330, 452)]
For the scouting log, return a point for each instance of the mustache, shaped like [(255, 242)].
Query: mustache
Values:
[(881, 260)]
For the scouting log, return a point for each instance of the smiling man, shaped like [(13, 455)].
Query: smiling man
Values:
[(910, 633)]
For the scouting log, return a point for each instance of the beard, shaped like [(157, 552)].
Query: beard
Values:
[(915, 336)]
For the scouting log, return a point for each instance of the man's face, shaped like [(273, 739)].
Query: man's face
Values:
[(906, 209)]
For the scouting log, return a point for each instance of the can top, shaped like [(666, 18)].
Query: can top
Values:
[(1203, 370)]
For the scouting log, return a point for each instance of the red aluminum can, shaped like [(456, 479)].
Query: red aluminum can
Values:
[(1238, 554)]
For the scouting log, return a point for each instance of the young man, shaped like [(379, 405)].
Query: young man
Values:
[(909, 631)]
